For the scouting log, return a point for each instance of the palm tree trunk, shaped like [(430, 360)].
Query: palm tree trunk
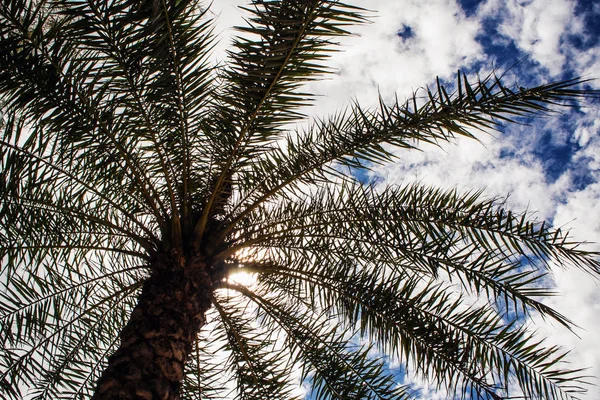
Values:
[(159, 335)]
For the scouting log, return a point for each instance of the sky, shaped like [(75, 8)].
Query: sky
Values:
[(550, 167)]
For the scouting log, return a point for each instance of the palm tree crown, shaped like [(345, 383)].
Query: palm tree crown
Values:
[(137, 178)]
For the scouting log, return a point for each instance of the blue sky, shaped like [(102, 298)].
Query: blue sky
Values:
[(551, 166)]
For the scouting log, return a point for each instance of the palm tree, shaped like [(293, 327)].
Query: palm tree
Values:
[(138, 179)]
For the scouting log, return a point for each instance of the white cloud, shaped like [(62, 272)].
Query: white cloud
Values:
[(541, 29), (536, 26), (580, 294), (379, 60), (226, 15)]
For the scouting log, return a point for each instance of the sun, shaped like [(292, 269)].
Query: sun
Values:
[(242, 278)]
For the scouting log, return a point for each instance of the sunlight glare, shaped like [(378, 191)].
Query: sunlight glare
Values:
[(242, 278)]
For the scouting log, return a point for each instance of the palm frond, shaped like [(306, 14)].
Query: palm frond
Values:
[(261, 370), (206, 371), (337, 368), (156, 62), (356, 137), (38, 364), (466, 349), (284, 45), (474, 241)]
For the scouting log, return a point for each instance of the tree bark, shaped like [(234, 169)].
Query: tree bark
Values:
[(155, 342)]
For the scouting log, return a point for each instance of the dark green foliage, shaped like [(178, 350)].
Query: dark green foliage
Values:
[(121, 142)]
